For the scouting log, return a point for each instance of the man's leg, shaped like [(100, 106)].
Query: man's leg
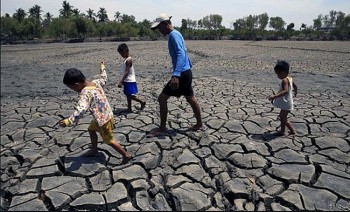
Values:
[(163, 106), (196, 110)]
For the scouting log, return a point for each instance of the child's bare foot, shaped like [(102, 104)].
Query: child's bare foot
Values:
[(143, 105), (90, 153)]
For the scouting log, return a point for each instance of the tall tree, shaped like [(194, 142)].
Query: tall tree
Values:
[(47, 20), (183, 24), (102, 15), (303, 26), (20, 14), (91, 15), (128, 19), (332, 17), (290, 27), (318, 22), (35, 12), (251, 22), (277, 23), (212, 21), (239, 24), (192, 24), (76, 12), (340, 18), (48, 16), (117, 16), (66, 10), (263, 20)]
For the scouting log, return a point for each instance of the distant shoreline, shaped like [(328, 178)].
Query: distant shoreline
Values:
[(121, 39)]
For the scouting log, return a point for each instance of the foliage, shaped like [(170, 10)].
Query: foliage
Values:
[(71, 23)]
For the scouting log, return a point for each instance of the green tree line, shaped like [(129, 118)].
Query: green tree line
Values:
[(74, 24)]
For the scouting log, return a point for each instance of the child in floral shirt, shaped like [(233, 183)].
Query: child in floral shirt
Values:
[(93, 98)]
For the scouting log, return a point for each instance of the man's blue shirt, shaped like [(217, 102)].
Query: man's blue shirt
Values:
[(178, 52)]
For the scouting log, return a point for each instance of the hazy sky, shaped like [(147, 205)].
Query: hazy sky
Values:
[(292, 11)]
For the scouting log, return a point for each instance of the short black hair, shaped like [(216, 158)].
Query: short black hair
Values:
[(73, 76), (282, 65), (123, 48)]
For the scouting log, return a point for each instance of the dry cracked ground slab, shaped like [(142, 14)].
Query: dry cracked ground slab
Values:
[(238, 163)]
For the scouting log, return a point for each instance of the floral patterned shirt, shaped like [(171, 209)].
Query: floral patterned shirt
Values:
[(93, 98)]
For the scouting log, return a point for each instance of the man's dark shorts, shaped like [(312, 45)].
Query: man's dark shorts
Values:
[(185, 86)]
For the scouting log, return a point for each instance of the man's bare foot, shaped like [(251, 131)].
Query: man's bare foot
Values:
[(90, 153), (198, 128), (292, 133), (156, 132), (279, 133), (126, 159)]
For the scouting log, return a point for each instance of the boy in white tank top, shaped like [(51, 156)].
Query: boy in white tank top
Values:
[(129, 79)]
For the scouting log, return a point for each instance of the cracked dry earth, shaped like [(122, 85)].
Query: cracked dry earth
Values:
[(236, 164)]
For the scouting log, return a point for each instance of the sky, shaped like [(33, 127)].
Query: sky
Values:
[(291, 11)]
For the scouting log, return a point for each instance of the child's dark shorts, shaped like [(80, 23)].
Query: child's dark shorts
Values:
[(185, 86)]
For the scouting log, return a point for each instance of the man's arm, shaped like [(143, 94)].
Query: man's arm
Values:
[(178, 55)]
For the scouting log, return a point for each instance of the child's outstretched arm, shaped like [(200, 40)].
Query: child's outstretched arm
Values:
[(81, 108), (103, 75)]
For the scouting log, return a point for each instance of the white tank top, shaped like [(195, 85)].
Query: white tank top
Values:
[(285, 102), (131, 75)]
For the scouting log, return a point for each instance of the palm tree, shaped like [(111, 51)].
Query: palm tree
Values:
[(66, 10), (117, 16), (102, 15), (90, 14), (35, 12), (48, 16), (20, 14), (76, 12), (47, 20)]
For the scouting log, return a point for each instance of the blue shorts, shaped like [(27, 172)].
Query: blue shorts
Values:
[(130, 88)]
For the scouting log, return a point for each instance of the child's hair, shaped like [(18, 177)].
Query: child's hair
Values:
[(72, 76), (282, 65), (123, 48)]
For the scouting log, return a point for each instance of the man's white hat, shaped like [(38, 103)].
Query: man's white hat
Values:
[(162, 17)]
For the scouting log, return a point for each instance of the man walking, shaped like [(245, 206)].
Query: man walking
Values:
[(180, 83)]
